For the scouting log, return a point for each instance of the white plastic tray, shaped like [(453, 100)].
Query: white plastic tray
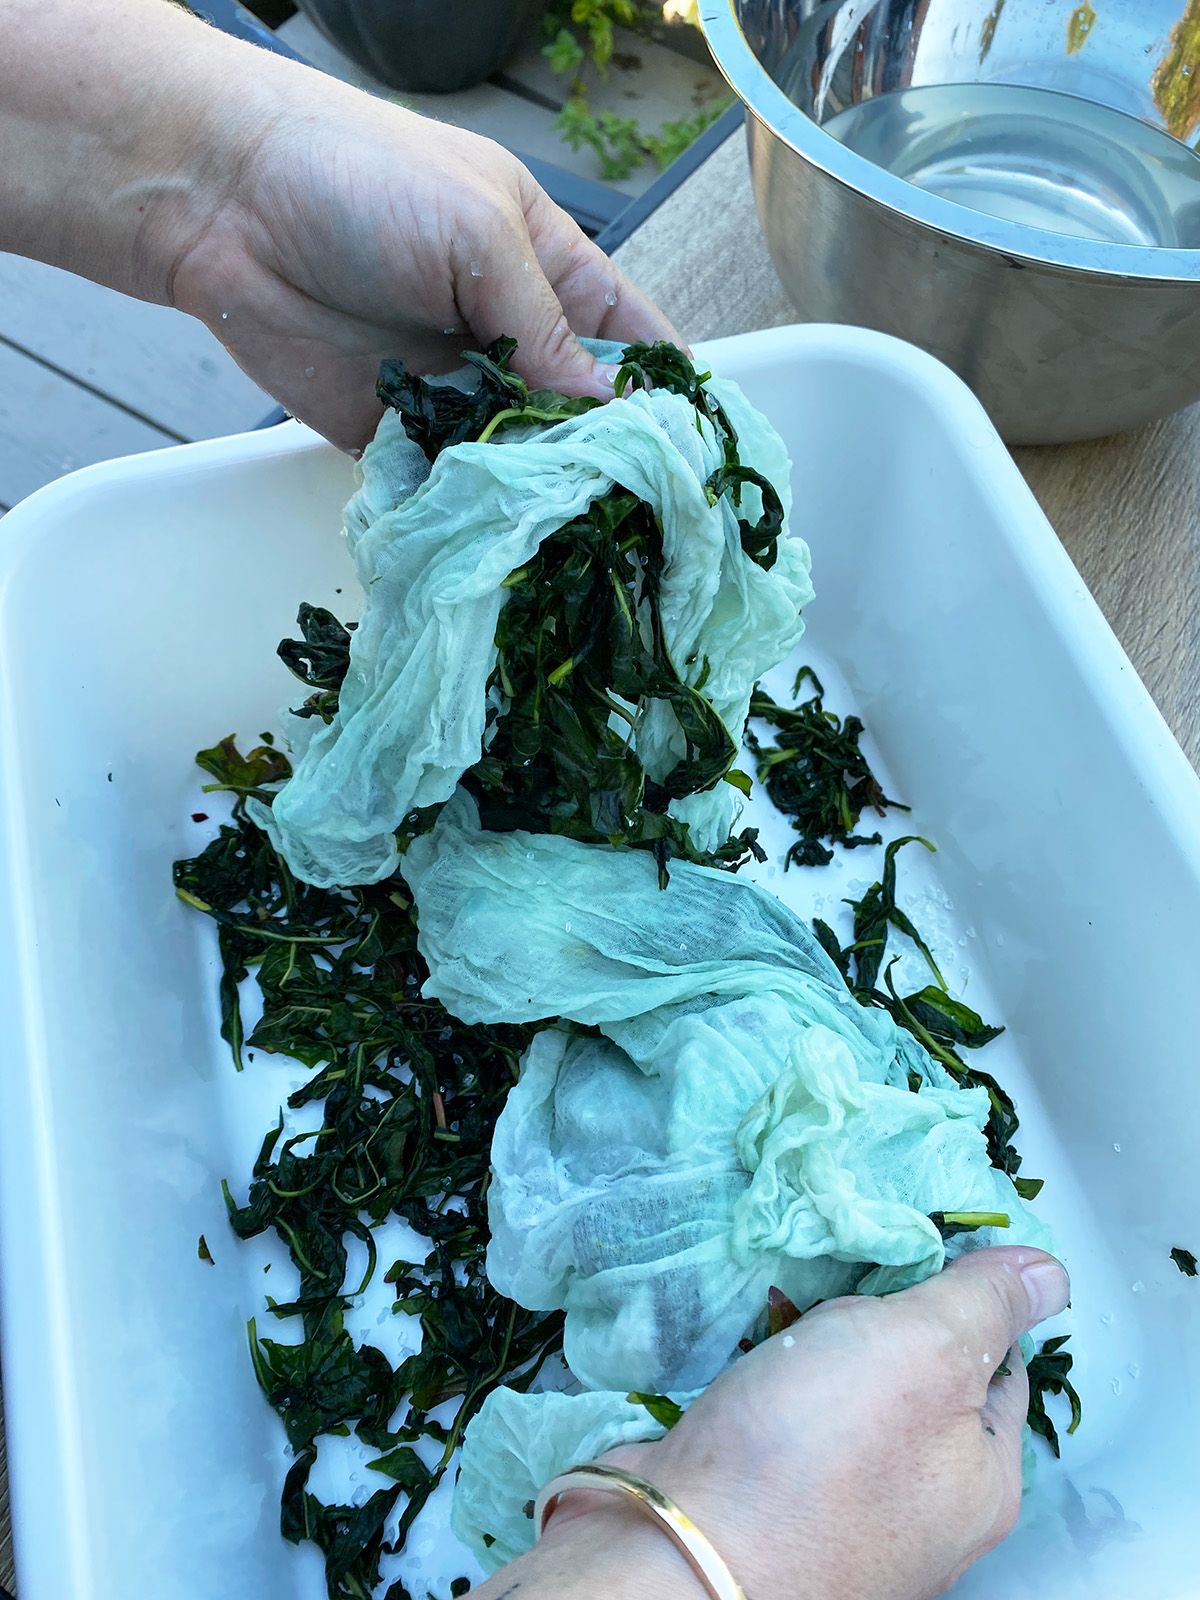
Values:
[(140, 603)]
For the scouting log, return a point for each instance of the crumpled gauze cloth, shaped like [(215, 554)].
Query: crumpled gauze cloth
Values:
[(739, 1122), (432, 549), (517, 1443)]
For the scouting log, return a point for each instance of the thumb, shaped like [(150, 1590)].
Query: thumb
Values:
[(986, 1300), (506, 292)]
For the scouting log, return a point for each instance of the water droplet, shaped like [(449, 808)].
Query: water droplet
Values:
[(610, 298), (1134, 1370), (1116, 1148), (1116, 1386), (1136, 1288), (449, 331), (986, 1358), (224, 316), (1106, 1318), (310, 372), (360, 1496), (475, 270), (566, 927), (999, 938), (788, 1341), (356, 454)]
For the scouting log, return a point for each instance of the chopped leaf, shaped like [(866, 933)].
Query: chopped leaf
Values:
[(320, 659), (243, 774), (1185, 1261), (1048, 1375), (815, 773), (660, 1406)]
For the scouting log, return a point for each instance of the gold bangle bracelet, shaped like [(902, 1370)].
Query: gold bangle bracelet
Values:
[(676, 1524)]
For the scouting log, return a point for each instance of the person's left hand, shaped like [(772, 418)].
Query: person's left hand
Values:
[(353, 230)]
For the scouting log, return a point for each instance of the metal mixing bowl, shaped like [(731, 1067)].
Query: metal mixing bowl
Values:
[(1063, 337)]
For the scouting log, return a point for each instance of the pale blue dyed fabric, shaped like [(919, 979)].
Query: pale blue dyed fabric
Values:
[(432, 549), (740, 1122), (517, 1443)]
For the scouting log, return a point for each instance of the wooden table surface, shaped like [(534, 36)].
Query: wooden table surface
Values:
[(1127, 509)]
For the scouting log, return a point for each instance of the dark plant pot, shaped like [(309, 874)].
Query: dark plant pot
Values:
[(425, 46)]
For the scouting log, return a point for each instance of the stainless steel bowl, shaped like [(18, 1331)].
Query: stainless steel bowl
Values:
[(1062, 336)]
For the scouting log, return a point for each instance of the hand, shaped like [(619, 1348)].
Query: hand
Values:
[(316, 230), (356, 230), (869, 1453)]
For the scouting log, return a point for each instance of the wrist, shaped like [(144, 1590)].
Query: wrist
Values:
[(182, 168), (717, 1498), (596, 1545)]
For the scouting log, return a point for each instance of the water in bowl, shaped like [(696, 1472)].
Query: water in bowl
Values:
[(1034, 156)]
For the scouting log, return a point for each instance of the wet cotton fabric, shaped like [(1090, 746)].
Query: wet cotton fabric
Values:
[(737, 1121), (517, 1443), (433, 548)]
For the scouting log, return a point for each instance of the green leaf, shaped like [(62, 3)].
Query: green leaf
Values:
[(950, 1020), (243, 773), (815, 773), (1048, 1376), (405, 1467), (1185, 1261), (564, 53), (660, 1406)]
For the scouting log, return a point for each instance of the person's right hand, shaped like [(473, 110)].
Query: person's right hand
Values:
[(349, 230), (870, 1452)]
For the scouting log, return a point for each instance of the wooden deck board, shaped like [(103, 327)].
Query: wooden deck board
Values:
[(50, 425), (156, 362)]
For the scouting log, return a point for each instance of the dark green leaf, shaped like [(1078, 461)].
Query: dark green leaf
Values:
[(1048, 1376), (815, 773)]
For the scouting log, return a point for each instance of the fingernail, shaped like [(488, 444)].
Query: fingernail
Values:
[(1047, 1286)]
